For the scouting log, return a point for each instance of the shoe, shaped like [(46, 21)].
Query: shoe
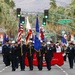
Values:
[(31, 70), (22, 70), (49, 69), (40, 69), (13, 69), (71, 67), (16, 67)]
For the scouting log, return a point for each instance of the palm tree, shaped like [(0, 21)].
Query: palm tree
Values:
[(53, 4)]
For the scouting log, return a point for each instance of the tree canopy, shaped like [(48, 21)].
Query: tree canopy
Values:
[(60, 12), (7, 16)]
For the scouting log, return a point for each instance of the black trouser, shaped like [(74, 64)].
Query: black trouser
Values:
[(70, 61), (65, 58), (16, 62), (48, 61), (22, 65), (30, 60), (7, 60), (13, 63), (4, 59), (40, 59)]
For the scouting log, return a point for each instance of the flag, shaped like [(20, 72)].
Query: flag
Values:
[(28, 27), (41, 34), (5, 38), (64, 39), (37, 43), (20, 31)]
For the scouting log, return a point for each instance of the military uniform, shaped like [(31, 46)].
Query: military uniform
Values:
[(40, 57), (48, 56), (70, 51), (6, 54), (21, 56), (16, 54), (13, 54), (30, 52)]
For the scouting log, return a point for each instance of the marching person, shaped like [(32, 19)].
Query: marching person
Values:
[(40, 55), (70, 51), (6, 53), (16, 53), (30, 52), (13, 56), (21, 54), (48, 55)]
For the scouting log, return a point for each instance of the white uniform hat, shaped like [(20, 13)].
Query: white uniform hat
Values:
[(13, 41), (22, 39), (41, 41), (48, 43), (30, 41)]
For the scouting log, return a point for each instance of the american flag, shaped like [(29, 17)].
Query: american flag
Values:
[(20, 31)]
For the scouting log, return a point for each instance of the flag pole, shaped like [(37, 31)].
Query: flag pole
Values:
[(21, 49)]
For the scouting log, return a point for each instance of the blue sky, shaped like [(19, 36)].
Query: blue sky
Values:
[(37, 5)]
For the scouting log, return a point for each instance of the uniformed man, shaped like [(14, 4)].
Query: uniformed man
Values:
[(21, 54), (40, 55), (70, 51), (16, 53), (6, 53), (48, 55), (13, 54), (30, 52)]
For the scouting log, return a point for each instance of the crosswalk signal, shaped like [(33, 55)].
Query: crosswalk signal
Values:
[(44, 21), (46, 14), (18, 12)]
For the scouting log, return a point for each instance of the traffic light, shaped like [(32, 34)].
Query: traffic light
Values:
[(46, 14), (22, 20), (44, 21), (18, 12)]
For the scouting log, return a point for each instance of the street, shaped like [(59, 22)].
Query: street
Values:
[(56, 70)]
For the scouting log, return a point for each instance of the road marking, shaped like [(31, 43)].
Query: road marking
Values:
[(3, 69), (1, 65), (62, 70)]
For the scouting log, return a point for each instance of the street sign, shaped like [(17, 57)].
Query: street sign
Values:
[(48, 35), (63, 32), (61, 21)]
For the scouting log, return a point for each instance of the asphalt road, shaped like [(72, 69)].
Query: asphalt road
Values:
[(56, 70)]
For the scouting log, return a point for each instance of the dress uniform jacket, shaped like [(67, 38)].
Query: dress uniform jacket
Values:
[(30, 52), (13, 57), (70, 51), (48, 56), (21, 53), (40, 57), (6, 54)]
